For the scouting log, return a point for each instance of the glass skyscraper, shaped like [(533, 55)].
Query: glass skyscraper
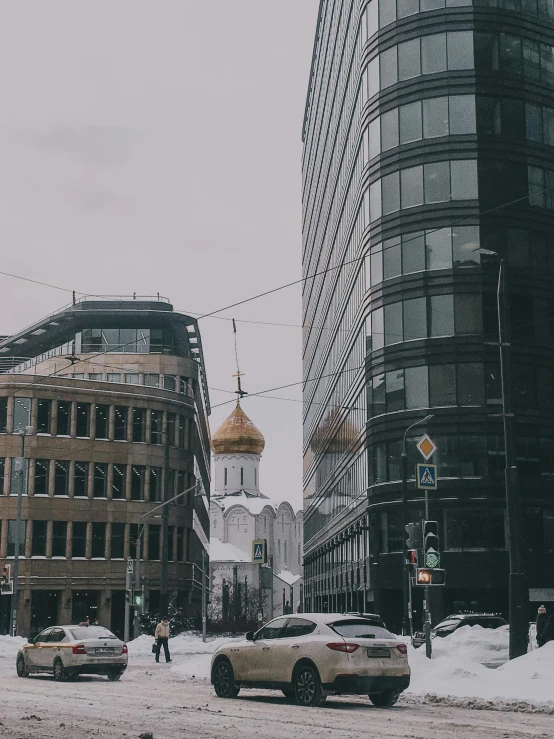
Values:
[(428, 156)]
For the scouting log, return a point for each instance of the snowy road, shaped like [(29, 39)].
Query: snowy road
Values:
[(152, 700)]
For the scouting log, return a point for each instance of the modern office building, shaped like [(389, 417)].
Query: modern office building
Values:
[(428, 156), (101, 386)]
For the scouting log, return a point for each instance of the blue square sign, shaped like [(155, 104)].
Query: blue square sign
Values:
[(426, 475), (259, 551)]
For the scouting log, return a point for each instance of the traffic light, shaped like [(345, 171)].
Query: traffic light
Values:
[(412, 557), (6, 585), (430, 576), (431, 555), (414, 538), (138, 600)]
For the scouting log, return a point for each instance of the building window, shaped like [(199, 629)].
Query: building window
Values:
[(183, 432), (139, 425), (101, 422), (170, 540), (180, 544), (83, 420), (42, 469), (12, 529), (285, 553), (38, 539), (151, 380), (181, 488), (61, 478), (3, 415), (255, 477), (156, 427), (100, 487), (170, 382), (21, 414), (474, 528), (59, 538), (98, 540), (118, 482), (242, 475), (225, 476), (117, 541), (171, 429), (153, 542), (120, 423), (79, 539), (155, 484), (113, 377), (81, 480), (44, 415), (137, 482)]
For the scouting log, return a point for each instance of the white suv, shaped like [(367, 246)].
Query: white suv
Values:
[(313, 655)]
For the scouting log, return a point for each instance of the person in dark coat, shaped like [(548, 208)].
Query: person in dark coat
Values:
[(548, 631), (542, 618)]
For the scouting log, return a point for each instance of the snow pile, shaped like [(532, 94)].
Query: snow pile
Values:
[(458, 669), (190, 656), (9, 645)]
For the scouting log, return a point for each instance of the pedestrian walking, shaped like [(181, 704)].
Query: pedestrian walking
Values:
[(548, 631), (542, 618), (162, 639)]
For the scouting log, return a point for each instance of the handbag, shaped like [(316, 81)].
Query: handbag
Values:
[(154, 646)]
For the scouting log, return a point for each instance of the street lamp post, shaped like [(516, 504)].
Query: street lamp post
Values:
[(405, 567), (517, 596), (21, 488)]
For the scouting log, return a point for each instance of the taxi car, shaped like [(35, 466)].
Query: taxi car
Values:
[(311, 655), (69, 651)]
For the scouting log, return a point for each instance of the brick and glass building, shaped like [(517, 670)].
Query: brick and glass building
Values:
[(102, 384), (428, 156)]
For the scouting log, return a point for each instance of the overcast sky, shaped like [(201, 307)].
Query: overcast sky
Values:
[(154, 146)]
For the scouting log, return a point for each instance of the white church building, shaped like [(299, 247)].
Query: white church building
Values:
[(240, 513)]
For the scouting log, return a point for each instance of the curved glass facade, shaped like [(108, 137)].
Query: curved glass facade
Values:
[(428, 154)]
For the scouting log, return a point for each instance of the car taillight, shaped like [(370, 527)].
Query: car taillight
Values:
[(124, 650), (402, 648), (79, 649), (341, 646)]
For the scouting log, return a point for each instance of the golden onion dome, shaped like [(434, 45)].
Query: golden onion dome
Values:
[(238, 435)]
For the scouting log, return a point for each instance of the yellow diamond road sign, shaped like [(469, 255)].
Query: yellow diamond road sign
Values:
[(427, 447)]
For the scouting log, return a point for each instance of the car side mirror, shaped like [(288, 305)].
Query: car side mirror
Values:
[(29, 640), (250, 636)]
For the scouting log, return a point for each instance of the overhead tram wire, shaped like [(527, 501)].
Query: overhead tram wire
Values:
[(458, 222)]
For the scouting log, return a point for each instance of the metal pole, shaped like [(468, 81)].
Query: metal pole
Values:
[(127, 603), (517, 596), (20, 488), (204, 593), (405, 567), (427, 599), (136, 624), (270, 607), (165, 526)]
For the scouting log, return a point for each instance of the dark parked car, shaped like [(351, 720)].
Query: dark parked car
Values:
[(457, 620)]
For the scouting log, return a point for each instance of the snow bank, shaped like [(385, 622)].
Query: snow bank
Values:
[(458, 669), (10, 644)]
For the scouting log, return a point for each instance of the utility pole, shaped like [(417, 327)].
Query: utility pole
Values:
[(127, 600), (517, 596), (165, 533), (427, 599), (204, 594), (406, 620), (21, 488)]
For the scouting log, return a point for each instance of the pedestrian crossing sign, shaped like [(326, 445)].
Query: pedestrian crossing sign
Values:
[(259, 551), (426, 476)]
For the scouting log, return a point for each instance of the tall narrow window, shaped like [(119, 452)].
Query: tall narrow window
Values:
[(98, 540), (155, 484), (21, 413), (64, 418), (171, 428), (139, 425), (38, 542), (44, 414), (225, 476), (12, 536), (137, 482), (80, 489), (242, 475), (155, 427), (120, 425), (61, 478), (101, 423), (153, 542), (59, 537), (83, 419), (79, 539), (42, 467), (117, 540), (118, 483), (100, 488)]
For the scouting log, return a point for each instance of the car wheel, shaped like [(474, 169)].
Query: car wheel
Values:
[(114, 675), (307, 686), (59, 671), (22, 670), (386, 699), (223, 680)]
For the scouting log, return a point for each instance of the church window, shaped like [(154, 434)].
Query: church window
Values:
[(279, 547), (285, 551), (265, 523), (255, 477), (242, 475), (225, 476)]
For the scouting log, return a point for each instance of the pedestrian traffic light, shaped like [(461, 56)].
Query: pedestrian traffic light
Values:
[(430, 576), (414, 538), (138, 600), (412, 557), (431, 555)]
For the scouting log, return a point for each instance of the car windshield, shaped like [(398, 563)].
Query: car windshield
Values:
[(360, 628), (91, 632), (448, 624)]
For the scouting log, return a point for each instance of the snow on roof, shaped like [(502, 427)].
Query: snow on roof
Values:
[(253, 503), (288, 577), (225, 552)]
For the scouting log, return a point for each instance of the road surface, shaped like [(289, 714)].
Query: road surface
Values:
[(148, 699)]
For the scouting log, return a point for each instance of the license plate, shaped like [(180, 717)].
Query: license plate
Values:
[(378, 652), (104, 651)]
